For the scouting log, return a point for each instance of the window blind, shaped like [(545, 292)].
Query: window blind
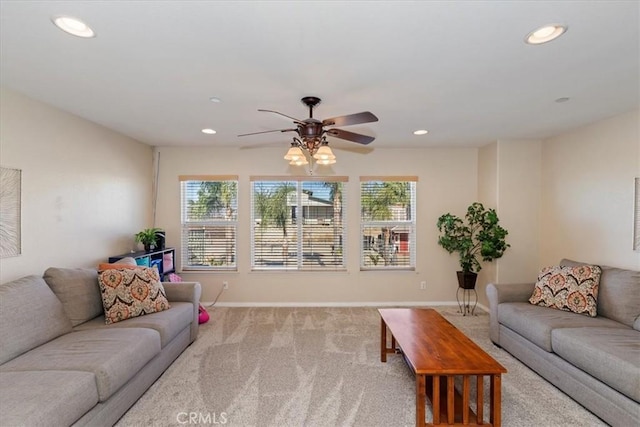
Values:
[(388, 224), (297, 223), (209, 208)]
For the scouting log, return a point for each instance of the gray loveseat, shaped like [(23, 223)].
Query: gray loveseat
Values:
[(61, 365), (595, 360)]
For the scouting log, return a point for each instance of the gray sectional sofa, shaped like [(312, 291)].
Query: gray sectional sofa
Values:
[(595, 360), (61, 365)]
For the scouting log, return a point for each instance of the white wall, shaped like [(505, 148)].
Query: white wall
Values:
[(447, 183), (518, 208), (509, 182), (85, 189), (587, 193)]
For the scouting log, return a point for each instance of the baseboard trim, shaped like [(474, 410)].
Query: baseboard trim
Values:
[(340, 304)]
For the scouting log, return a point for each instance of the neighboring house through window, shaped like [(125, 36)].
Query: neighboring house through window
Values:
[(297, 223)]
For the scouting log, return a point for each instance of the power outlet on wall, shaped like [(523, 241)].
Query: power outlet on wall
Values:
[(423, 285), (225, 285)]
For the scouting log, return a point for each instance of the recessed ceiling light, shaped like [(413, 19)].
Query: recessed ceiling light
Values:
[(73, 26), (215, 99), (208, 131), (421, 132), (545, 34)]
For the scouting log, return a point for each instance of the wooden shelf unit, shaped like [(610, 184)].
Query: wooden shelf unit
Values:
[(150, 259)]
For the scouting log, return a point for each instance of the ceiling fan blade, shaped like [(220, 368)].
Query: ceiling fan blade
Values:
[(298, 121), (269, 131), (350, 136), (351, 119)]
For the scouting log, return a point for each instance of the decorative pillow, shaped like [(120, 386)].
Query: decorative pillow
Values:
[(78, 291), (568, 288), (126, 261), (105, 266), (131, 292)]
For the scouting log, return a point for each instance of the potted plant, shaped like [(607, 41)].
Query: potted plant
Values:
[(148, 237), (479, 236)]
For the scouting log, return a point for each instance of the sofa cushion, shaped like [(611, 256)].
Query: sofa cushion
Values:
[(535, 323), (619, 293), (131, 292), (45, 398), (30, 315), (610, 355), (78, 290), (114, 356), (168, 323), (568, 288)]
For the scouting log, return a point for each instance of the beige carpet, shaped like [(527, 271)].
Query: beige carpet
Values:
[(321, 367)]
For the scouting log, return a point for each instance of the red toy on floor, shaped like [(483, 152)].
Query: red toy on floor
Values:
[(203, 317)]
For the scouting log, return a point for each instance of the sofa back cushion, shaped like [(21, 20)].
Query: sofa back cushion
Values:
[(78, 291), (30, 315), (619, 293)]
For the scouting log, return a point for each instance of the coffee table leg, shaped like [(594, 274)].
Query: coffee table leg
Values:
[(496, 398), (480, 399), (420, 400), (435, 400), (383, 340)]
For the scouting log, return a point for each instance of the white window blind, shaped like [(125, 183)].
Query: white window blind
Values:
[(209, 208), (297, 223), (388, 222)]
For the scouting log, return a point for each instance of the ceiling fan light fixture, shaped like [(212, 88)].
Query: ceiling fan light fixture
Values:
[(326, 162), (299, 162), (295, 154), (545, 34), (324, 153)]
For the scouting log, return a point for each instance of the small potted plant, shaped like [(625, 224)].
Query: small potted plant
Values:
[(148, 237), (479, 236)]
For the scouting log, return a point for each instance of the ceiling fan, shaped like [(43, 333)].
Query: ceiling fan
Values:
[(312, 133)]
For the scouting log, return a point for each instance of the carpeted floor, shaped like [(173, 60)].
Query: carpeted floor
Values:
[(321, 367)]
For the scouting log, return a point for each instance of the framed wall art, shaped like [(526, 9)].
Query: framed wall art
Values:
[(10, 227)]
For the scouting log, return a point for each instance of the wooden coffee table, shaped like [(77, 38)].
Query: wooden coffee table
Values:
[(437, 352)]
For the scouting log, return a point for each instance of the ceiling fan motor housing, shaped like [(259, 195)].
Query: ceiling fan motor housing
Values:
[(311, 129)]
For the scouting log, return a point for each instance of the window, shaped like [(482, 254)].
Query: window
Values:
[(388, 223), (209, 207), (297, 224)]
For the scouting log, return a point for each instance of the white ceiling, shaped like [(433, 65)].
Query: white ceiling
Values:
[(457, 68)]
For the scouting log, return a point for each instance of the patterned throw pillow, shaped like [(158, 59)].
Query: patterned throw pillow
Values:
[(568, 288), (131, 292)]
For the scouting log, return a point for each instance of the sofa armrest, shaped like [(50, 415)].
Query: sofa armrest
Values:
[(498, 294), (186, 292)]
